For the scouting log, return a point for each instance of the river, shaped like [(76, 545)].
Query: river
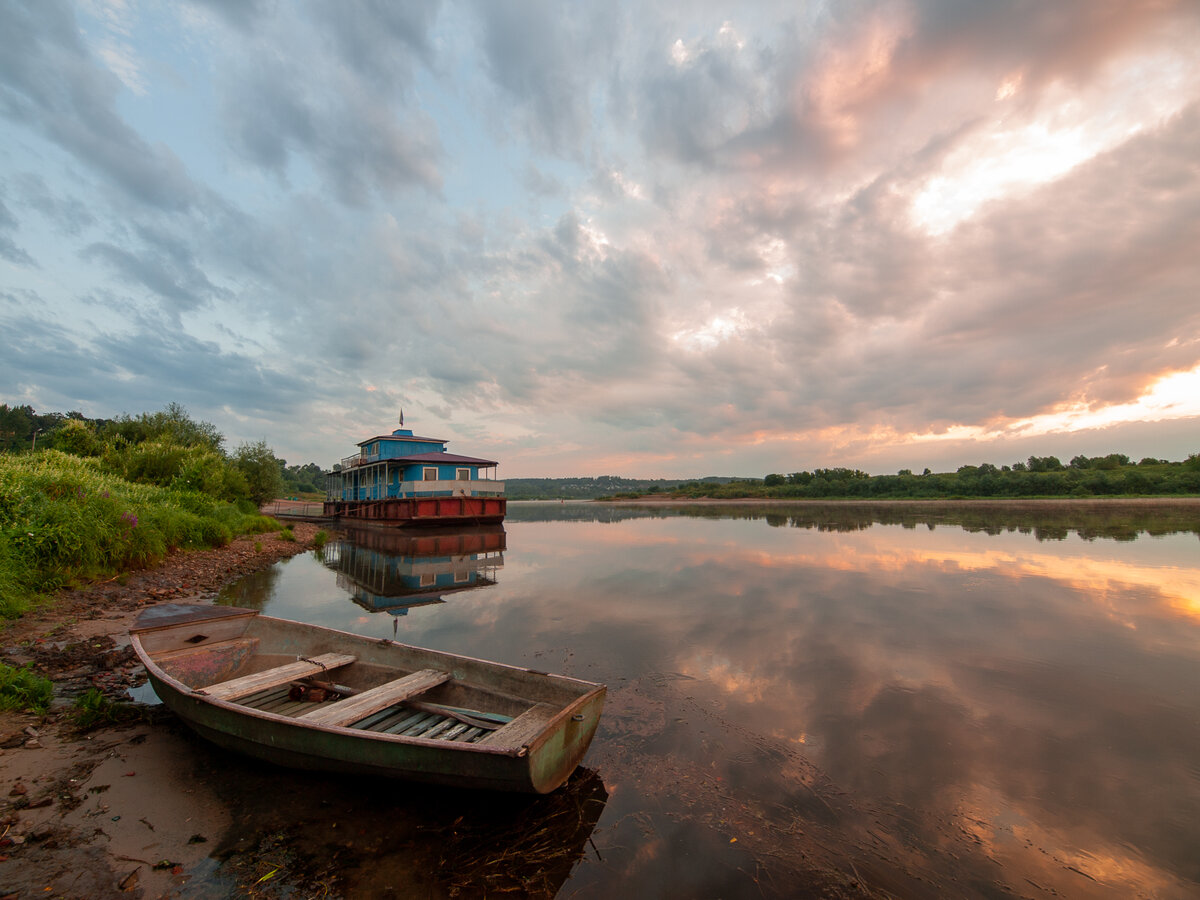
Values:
[(812, 702)]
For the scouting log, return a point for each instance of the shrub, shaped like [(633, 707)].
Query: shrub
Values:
[(65, 517), (261, 469)]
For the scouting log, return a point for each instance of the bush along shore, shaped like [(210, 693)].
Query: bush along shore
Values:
[(92, 503), (63, 520)]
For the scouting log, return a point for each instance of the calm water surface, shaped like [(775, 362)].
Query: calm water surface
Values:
[(808, 707)]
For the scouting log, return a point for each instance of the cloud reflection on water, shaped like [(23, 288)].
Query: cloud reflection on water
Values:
[(1039, 699), (924, 709)]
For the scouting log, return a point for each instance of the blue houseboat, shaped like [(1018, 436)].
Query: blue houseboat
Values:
[(403, 479)]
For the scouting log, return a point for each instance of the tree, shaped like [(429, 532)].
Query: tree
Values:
[(774, 480), (171, 424), (260, 468), (1045, 464)]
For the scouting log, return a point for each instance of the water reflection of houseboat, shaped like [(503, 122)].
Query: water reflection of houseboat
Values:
[(391, 570), (403, 479)]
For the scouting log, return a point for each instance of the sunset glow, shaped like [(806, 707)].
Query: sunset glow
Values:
[(658, 242)]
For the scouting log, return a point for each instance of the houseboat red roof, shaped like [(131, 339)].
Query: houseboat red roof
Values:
[(444, 458)]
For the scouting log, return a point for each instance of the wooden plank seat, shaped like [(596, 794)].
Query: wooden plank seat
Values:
[(269, 678), (524, 727), (364, 703)]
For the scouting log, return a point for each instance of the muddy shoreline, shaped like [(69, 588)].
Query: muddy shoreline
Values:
[(115, 811)]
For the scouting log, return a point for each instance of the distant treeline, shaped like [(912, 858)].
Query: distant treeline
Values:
[(591, 488), (1039, 476)]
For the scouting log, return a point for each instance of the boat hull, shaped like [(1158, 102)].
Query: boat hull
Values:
[(294, 747), (419, 511), (538, 763)]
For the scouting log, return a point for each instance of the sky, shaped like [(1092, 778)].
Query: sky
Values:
[(642, 239)]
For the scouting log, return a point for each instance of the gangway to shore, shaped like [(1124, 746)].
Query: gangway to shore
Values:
[(301, 510)]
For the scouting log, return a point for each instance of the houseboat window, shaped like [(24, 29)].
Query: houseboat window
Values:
[(428, 580), (464, 474), (431, 473)]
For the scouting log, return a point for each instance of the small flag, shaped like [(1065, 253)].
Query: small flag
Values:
[(401, 418)]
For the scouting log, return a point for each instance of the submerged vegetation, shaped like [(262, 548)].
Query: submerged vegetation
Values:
[(1113, 475), (96, 501)]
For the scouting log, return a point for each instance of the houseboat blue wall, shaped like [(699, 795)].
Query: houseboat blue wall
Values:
[(374, 484), (416, 471), (396, 446)]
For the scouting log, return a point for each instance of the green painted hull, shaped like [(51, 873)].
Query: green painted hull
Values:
[(539, 763)]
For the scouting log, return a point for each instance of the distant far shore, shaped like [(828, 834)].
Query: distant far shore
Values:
[(925, 503)]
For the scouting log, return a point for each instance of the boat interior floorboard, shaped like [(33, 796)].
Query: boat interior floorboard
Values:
[(397, 719)]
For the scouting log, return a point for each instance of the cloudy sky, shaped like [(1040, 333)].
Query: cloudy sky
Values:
[(646, 239)]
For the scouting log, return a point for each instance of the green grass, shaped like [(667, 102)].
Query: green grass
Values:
[(23, 689), (64, 519), (93, 709)]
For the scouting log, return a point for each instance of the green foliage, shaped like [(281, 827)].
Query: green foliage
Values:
[(260, 468), (23, 689), (1102, 476), (75, 436), (320, 539), (300, 480), (287, 534), (258, 524), (1044, 464), (20, 425), (93, 709), (64, 518), (588, 488), (172, 425)]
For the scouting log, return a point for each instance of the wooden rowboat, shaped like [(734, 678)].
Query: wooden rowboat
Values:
[(315, 698)]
